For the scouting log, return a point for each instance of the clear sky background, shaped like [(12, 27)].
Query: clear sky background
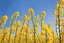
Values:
[(8, 7)]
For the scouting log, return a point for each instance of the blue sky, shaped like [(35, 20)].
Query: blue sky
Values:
[(8, 7)]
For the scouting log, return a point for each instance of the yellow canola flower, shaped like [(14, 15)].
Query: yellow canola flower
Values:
[(29, 31), (8, 29), (43, 32), (62, 1), (18, 23), (13, 27), (56, 14), (43, 14), (61, 10), (25, 18), (28, 18), (25, 26), (31, 11), (16, 14), (36, 25), (42, 22), (45, 27), (4, 22), (1, 31), (5, 18), (57, 6), (62, 24), (37, 18), (23, 33), (62, 6)]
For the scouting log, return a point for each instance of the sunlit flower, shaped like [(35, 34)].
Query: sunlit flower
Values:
[(62, 6), (45, 27), (4, 22), (31, 11), (13, 28), (61, 10), (37, 18), (43, 14), (5, 18), (43, 32), (57, 6), (25, 26), (28, 18), (42, 22), (16, 14), (62, 1), (7, 29), (36, 25), (1, 31), (25, 18), (56, 14), (18, 23)]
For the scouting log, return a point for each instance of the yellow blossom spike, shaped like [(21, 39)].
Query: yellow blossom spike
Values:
[(43, 14), (25, 18), (31, 11), (37, 18), (16, 14), (14, 28), (5, 18), (57, 6), (25, 26), (36, 26), (18, 23), (62, 1)]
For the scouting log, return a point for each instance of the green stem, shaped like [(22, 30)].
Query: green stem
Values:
[(20, 32), (15, 35)]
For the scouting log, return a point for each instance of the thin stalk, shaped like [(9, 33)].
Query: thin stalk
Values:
[(10, 36), (59, 23), (38, 38), (41, 25), (16, 35), (34, 30), (46, 36), (3, 37), (27, 31), (10, 31), (26, 35), (21, 34), (53, 37)]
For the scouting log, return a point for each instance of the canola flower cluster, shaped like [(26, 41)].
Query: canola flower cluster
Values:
[(20, 32), (27, 30)]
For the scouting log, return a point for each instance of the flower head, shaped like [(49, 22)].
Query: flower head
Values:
[(28, 18), (16, 14), (56, 14), (5, 18), (37, 18), (18, 23), (31, 11), (36, 25), (25, 18), (43, 14), (43, 32), (42, 22), (62, 6), (62, 1), (57, 6), (25, 26), (13, 27)]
